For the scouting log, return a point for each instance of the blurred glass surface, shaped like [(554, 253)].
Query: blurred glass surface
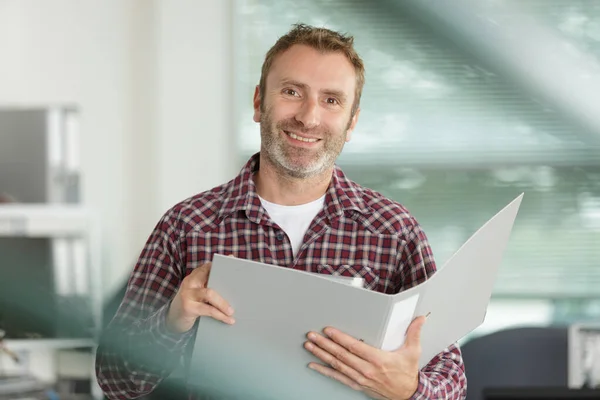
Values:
[(455, 139)]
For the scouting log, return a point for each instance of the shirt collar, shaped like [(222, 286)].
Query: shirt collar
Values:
[(342, 194)]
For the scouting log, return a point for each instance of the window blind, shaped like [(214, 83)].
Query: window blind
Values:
[(453, 139)]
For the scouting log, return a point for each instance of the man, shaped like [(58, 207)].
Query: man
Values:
[(290, 206)]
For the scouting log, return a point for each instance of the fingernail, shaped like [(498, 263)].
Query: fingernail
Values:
[(328, 331), (231, 321), (312, 336), (309, 346), (230, 311)]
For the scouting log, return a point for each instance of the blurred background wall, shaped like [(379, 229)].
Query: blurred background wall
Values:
[(152, 81)]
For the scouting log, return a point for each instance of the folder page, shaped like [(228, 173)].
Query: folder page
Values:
[(458, 294), (456, 297), (262, 355)]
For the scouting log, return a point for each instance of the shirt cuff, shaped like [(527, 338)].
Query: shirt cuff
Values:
[(168, 339), (426, 389)]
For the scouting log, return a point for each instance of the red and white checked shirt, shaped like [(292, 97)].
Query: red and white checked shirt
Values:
[(357, 233)]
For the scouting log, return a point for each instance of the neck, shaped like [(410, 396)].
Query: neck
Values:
[(279, 188)]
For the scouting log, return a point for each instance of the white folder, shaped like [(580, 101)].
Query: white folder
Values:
[(262, 356)]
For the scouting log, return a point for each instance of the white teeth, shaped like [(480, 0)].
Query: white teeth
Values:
[(294, 136)]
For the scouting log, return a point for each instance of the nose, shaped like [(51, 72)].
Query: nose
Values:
[(308, 114)]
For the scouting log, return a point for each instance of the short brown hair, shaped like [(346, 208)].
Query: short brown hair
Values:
[(323, 40)]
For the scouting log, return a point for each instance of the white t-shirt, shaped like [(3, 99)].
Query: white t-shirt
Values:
[(294, 220)]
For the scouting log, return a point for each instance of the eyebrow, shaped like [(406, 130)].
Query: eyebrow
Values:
[(329, 92)]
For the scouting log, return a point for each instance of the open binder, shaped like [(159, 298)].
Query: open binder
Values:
[(262, 355)]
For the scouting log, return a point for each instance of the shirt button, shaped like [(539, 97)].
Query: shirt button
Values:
[(279, 236)]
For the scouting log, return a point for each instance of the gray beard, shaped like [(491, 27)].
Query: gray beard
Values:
[(277, 154)]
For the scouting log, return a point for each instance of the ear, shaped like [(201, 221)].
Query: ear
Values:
[(352, 125), (256, 104)]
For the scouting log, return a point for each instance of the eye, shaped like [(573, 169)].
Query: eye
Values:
[(290, 92), (332, 101)]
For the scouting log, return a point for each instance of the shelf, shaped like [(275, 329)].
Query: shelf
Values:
[(18, 345), (43, 220)]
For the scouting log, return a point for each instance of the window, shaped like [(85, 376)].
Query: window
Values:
[(450, 132)]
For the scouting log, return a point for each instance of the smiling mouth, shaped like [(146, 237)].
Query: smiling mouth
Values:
[(300, 138)]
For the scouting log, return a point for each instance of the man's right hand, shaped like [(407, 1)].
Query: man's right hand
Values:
[(195, 300)]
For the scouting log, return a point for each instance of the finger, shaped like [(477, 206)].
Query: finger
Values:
[(338, 357), (354, 346), (338, 376), (212, 297), (413, 333), (206, 310)]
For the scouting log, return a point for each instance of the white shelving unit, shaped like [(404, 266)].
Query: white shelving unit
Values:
[(62, 223), (44, 220), (21, 345)]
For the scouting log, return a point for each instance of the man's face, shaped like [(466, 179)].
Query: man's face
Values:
[(306, 115)]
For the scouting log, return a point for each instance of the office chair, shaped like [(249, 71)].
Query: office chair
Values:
[(517, 357)]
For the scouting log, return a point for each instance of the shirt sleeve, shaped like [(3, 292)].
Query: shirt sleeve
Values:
[(136, 351), (444, 376)]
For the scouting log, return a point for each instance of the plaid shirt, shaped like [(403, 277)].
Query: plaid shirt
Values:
[(357, 233)]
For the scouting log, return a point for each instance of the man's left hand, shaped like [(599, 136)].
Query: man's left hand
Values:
[(380, 374)]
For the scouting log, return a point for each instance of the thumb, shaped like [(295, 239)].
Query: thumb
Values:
[(413, 333)]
